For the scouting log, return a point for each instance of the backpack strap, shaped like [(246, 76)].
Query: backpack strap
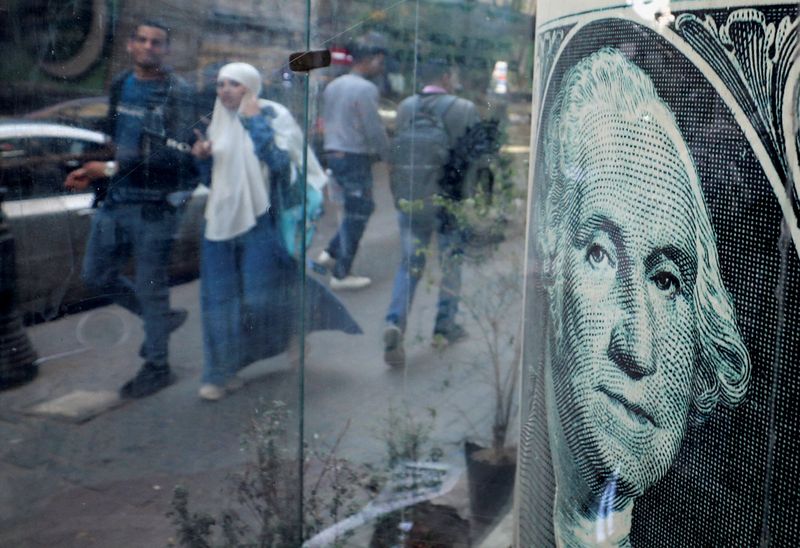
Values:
[(442, 105), (437, 106)]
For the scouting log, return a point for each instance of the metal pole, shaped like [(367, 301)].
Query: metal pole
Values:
[(17, 356)]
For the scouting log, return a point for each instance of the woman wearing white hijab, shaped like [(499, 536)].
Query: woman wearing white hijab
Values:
[(249, 281)]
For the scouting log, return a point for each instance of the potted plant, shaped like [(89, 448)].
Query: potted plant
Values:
[(491, 469), (492, 300)]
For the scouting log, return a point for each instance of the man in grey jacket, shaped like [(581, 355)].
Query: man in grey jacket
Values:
[(354, 139)]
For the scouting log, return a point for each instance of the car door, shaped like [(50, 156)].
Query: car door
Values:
[(49, 226)]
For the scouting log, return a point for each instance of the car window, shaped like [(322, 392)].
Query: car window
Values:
[(35, 167), (11, 148)]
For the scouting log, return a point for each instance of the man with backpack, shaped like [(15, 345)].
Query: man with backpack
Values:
[(430, 127)]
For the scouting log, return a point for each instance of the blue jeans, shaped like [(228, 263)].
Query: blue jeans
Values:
[(144, 231), (245, 294), (415, 239), (353, 172)]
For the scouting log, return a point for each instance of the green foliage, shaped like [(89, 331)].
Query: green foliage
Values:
[(486, 212), (408, 436), (336, 492), (485, 218), (267, 491), (194, 529)]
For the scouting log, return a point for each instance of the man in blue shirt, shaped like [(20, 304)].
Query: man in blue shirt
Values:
[(151, 115)]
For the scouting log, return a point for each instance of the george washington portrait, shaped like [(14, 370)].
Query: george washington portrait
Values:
[(643, 339)]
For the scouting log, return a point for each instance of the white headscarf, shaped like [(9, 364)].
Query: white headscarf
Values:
[(239, 190)]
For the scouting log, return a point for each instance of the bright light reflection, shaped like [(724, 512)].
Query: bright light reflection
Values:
[(653, 10)]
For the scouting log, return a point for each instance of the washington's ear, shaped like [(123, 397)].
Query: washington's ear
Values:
[(705, 396)]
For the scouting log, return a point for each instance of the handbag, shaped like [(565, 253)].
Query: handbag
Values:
[(286, 188), (293, 225)]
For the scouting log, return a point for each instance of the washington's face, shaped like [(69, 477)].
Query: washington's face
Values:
[(230, 93), (626, 352)]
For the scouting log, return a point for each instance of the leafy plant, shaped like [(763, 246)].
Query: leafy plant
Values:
[(194, 529), (488, 304), (496, 289), (408, 439), (484, 216), (408, 436), (267, 491)]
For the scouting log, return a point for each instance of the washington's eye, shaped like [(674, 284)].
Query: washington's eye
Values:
[(596, 255), (667, 282)]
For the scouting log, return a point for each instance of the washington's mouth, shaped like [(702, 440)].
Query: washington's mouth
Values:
[(634, 411)]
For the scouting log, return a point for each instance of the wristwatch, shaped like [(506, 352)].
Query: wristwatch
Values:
[(110, 169)]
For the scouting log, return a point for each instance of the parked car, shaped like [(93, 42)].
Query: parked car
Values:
[(51, 225), (86, 112)]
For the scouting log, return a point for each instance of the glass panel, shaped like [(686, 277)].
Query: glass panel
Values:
[(658, 402), (423, 242), (135, 298)]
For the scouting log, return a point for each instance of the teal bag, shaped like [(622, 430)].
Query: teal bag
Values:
[(294, 227)]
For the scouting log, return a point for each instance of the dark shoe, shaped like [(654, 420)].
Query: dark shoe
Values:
[(442, 338), (175, 319), (393, 352), (149, 380)]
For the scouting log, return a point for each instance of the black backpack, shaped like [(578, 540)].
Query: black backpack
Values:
[(419, 152)]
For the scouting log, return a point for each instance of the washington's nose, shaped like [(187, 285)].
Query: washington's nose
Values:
[(631, 343)]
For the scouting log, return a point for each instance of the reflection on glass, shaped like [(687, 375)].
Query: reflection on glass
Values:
[(150, 113), (430, 128), (354, 139), (153, 272), (249, 282)]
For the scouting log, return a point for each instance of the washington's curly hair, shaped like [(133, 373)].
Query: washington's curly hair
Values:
[(607, 81)]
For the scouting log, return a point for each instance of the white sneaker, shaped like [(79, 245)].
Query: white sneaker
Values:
[(350, 282), (211, 392), (324, 258)]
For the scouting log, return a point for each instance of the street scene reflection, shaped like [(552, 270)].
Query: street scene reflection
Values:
[(245, 305)]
